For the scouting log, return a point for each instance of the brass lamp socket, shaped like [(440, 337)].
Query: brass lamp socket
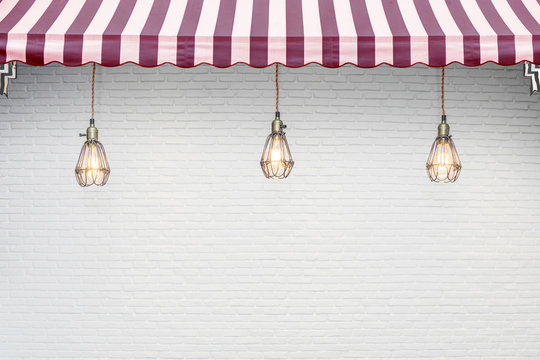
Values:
[(91, 131), (444, 128), (277, 124)]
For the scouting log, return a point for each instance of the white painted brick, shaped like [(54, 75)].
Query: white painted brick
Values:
[(190, 253)]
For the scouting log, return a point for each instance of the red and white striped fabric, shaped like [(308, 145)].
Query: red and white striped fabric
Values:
[(294, 33)]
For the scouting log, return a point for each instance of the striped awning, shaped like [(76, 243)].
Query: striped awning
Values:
[(294, 33)]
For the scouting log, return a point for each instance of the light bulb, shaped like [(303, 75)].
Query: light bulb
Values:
[(92, 167), (276, 159), (443, 164)]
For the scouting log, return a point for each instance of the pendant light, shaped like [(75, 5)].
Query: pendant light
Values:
[(276, 159), (92, 167), (443, 164)]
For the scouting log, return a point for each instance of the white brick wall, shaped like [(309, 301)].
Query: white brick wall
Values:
[(190, 253)]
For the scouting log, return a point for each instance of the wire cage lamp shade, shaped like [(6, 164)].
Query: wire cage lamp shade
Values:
[(443, 163), (276, 159), (92, 166)]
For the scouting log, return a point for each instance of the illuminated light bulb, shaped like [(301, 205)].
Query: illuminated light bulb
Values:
[(276, 159), (92, 167), (443, 164)]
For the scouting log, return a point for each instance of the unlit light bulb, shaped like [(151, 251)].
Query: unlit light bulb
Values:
[(443, 164)]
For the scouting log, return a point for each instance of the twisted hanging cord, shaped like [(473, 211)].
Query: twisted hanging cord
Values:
[(93, 78), (442, 91), (277, 89)]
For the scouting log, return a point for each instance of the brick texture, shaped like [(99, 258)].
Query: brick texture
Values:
[(190, 253)]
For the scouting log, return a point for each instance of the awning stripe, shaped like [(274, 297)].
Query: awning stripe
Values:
[(148, 49), (112, 36), (169, 32), (332, 33), (384, 41), (132, 33), (6, 6), (532, 25), (185, 47), (488, 37), (348, 38), (204, 36), (453, 36), (295, 33), (9, 22), (313, 41), (258, 54), (364, 31), (471, 37), (35, 48), (240, 42), (93, 36), (277, 32), (533, 6), (505, 38), (436, 39), (223, 33), (18, 38), (419, 37), (400, 35), (54, 39), (73, 42), (523, 38)]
